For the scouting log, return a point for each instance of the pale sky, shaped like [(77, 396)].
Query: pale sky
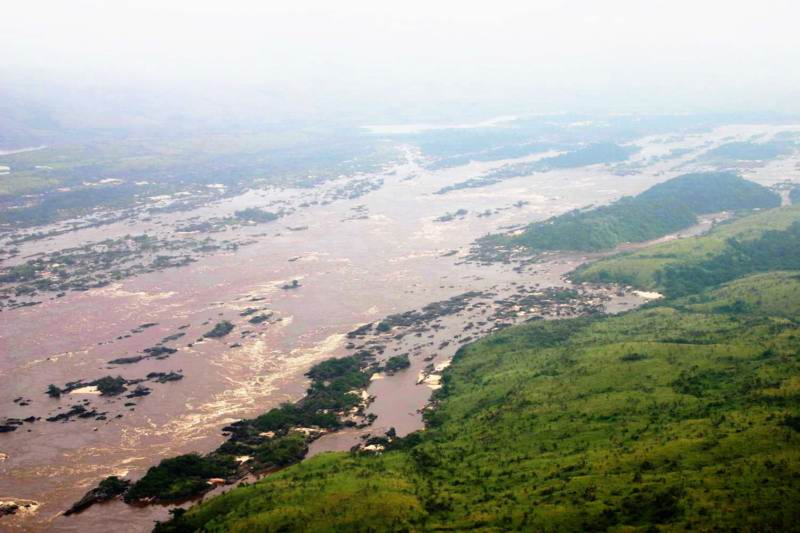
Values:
[(658, 53)]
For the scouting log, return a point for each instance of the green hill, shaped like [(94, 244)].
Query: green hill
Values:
[(759, 242), (681, 415), (712, 192), (660, 210)]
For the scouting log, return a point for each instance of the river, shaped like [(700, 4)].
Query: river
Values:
[(356, 260)]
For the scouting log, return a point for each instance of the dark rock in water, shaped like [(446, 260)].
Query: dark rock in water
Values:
[(138, 392), (126, 360), (173, 337), (163, 377), (76, 410), (158, 351), (8, 509), (258, 319), (220, 330), (108, 489), (293, 285), (360, 332), (11, 424)]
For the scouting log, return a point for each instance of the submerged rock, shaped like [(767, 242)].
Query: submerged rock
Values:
[(8, 508)]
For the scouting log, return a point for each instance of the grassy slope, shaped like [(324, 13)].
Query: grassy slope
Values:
[(673, 415), (641, 268), (774, 294)]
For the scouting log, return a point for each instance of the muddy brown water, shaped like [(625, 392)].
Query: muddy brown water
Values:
[(351, 272)]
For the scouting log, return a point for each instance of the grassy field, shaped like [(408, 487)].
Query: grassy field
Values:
[(681, 415)]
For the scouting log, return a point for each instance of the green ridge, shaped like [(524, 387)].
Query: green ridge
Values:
[(660, 210)]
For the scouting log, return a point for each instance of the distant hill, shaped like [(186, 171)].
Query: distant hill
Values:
[(660, 210)]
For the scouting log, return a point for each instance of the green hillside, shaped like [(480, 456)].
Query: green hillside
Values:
[(728, 251), (681, 415), (660, 210), (774, 294)]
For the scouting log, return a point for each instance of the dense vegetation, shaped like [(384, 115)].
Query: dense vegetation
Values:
[(775, 250), (660, 210), (110, 386), (760, 242), (397, 362), (331, 381), (181, 477), (682, 415)]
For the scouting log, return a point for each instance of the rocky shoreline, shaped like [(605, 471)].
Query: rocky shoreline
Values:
[(338, 396)]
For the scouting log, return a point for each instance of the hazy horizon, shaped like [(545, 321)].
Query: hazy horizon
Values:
[(366, 61)]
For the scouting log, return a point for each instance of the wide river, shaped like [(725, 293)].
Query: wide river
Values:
[(356, 260)]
